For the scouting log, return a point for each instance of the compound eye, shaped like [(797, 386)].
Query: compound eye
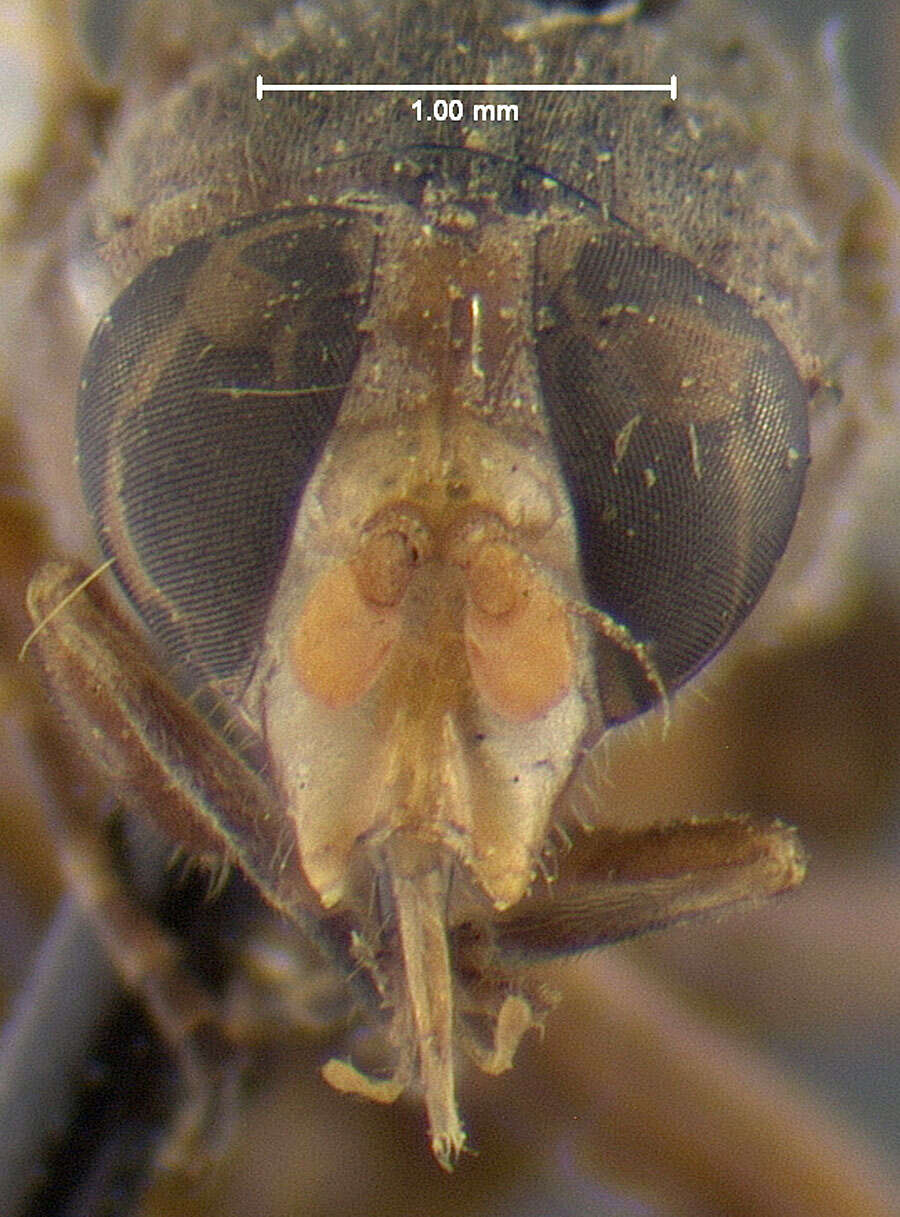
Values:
[(207, 393), (681, 426)]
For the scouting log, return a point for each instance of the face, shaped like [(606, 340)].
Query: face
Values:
[(428, 463)]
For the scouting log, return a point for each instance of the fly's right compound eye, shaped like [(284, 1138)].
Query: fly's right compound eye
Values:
[(207, 395), (681, 426)]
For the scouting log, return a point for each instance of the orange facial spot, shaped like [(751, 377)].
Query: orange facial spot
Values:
[(340, 641), (518, 637)]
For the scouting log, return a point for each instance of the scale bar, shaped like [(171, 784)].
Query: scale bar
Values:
[(261, 87)]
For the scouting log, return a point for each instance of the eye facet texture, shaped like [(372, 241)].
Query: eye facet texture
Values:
[(681, 426), (207, 394)]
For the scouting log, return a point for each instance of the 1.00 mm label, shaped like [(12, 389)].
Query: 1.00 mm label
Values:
[(443, 109)]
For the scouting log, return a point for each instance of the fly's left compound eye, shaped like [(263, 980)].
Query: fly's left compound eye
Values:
[(207, 394), (681, 427)]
